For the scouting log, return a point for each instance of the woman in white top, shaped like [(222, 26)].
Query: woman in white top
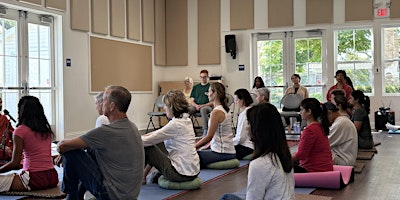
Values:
[(243, 145), (271, 171), (171, 149), (219, 129), (188, 88), (102, 119)]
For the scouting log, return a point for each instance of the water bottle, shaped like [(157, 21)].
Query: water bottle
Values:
[(296, 127)]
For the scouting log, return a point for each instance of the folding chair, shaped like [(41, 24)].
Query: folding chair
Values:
[(159, 104)]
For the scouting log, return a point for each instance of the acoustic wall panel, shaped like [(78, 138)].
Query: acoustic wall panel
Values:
[(319, 11), (280, 13), (120, 63), (394, 7), (117, 18), (56, 4), (34, 2), (160, 43), (79, 15), (209, 30), (242, 14), (148, 20), (176, 32), (100, 17), (133, 19), (359, 10)]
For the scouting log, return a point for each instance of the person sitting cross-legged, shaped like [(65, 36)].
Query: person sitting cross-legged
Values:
[(171, 149), (112, 167), (342, 136), (32, 139)]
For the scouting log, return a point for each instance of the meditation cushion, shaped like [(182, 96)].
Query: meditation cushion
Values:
[(188, 185), (336, 179), (248, 157), (227, 164)]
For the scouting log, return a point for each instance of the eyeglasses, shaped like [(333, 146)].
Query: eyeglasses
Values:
[(203, 76)]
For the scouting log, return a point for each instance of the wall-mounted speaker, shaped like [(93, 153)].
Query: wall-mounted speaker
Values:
[(230, 45)]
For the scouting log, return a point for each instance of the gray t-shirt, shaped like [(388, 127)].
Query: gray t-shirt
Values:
[(119, 152)]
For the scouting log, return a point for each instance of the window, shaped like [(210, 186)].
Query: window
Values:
[(355, 56), (26, 60), (279, 55), (391, 60)]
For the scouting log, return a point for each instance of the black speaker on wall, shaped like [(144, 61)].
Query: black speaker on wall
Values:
[(230, 45)]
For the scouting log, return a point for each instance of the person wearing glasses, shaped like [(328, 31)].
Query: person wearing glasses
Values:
[(199, 100)]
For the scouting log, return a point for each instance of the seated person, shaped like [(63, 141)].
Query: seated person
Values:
[(101, 119), (112, 167), (340, 84), (360, 119), (188, 88), (32, 137), (243, 145), (342, 136), (295, 89), (220, 129), (341, 103), (258, 83), (262, 95), (270, 172), (199, 101), (314, 152), (171, 149)]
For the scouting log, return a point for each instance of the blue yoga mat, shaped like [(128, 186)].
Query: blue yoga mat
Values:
[(242, 192), (153, 191)]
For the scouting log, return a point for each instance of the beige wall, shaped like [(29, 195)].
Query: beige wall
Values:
[(78, 105)]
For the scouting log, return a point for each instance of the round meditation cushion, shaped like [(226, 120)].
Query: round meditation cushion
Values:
[(188, 185), (227, 164), (248, 157)]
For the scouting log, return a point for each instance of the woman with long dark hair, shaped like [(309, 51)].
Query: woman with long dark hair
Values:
[(360, 119), (32, 138), (243, 145), (270, 171), (219, 129), (314, 152)]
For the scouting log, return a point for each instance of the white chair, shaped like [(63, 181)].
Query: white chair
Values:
[(159, 104), (291, 101)]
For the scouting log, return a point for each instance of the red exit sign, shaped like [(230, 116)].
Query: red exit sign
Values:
[(382, 12)]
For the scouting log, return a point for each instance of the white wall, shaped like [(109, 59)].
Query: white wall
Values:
[(79, 112)]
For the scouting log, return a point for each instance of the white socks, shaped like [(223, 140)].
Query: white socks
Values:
[(6, 181)]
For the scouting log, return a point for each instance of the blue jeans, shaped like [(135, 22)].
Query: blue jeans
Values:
[(208, 157), (81, 169)]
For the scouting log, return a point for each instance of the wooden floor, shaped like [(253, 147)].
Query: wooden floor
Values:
[(380, 179)]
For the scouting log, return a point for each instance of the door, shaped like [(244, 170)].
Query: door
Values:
[(279, 55)]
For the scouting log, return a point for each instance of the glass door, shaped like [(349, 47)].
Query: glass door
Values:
[(279, 55), (26, 60)]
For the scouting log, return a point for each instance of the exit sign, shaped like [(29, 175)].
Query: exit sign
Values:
[(382, 12)]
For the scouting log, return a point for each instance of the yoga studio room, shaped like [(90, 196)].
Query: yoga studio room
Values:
[(195, 99)]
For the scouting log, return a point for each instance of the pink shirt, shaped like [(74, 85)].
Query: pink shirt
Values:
[(36, 151), (314, 151)]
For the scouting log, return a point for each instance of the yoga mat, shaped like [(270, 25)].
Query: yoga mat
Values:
[(153, 191), (358, 167), (336, 179), (394, 132), (47, 193), (365, 155), (369, 150)]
